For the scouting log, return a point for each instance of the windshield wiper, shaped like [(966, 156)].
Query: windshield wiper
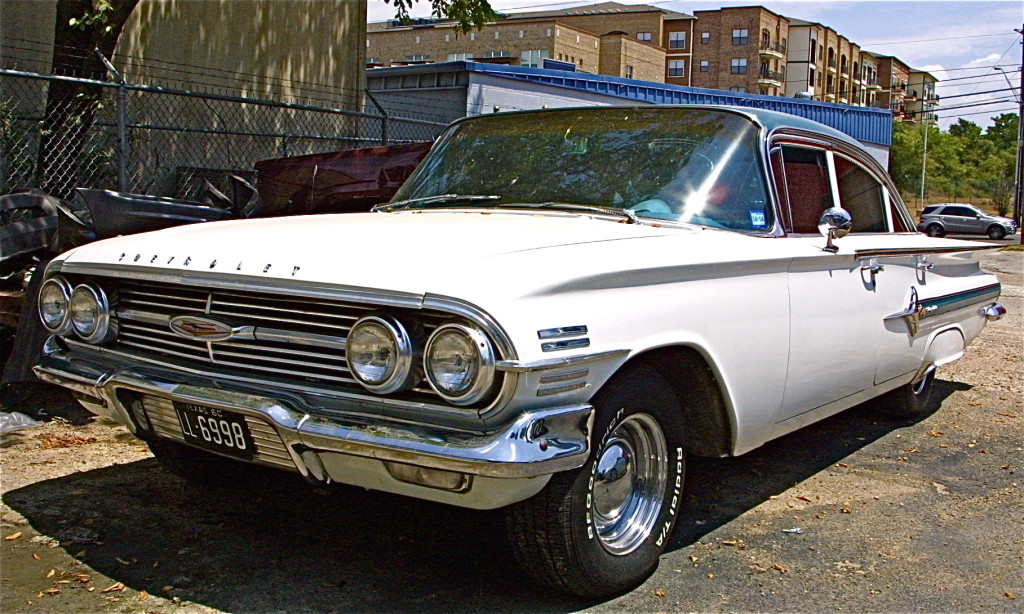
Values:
[(630, 216), (427, 201)]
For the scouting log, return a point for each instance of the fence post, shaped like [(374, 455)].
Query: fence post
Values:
[(122, 124), (383, 118)]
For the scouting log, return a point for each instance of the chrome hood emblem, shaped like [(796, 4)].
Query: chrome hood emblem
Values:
[(204, 329)]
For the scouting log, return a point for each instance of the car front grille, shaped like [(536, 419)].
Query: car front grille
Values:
[(298, 340)]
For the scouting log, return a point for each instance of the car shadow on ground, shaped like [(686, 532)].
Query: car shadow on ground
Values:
[(276, 546)]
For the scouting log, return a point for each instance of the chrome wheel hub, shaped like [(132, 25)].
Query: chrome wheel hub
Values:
[(629, 484)]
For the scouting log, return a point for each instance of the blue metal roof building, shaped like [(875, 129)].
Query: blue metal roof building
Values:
[(447, 91)]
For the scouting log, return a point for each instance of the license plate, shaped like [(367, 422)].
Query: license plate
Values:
[(215, 430)]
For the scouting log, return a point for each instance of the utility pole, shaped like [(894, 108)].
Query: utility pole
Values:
[(1020, 143)]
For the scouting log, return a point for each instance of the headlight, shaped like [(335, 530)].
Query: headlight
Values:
[(459, 363), (54, 296), (90, 314), (380, 354)]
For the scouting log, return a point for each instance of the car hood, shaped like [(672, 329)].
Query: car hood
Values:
[(440, 252)]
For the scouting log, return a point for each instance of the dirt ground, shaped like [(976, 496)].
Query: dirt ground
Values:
[(857, 513)]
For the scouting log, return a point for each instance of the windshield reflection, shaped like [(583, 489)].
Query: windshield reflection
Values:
[(691, 165)]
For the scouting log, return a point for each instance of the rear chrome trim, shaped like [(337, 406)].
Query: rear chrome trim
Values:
[(862, 254), (993, 312), (951, 302)]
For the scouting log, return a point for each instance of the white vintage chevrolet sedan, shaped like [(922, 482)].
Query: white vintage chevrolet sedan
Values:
[(556, 309)]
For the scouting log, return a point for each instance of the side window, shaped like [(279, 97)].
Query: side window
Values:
[(861, 195), (804, 178), (960, 211)]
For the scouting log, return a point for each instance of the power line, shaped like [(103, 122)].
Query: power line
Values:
[(930, 40), (1005, 89)]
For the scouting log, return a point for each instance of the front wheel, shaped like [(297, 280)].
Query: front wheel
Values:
[(996, 232), (599, 530), (935, 231)]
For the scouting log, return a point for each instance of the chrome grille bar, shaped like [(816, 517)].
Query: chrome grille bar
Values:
[(298, 340)]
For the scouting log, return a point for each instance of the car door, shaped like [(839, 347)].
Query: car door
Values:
[(842, 343), (833, 325), (960, 219)]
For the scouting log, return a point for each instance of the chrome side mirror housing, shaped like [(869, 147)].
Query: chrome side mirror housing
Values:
[(835, 223)]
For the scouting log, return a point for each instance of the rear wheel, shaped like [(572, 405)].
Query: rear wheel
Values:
[(911, 400), (996, 232), (598, 531), (935, 231)]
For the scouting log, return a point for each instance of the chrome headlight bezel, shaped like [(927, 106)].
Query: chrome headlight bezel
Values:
[(402, 375), (103, 329), (64, 327), (481, 384)]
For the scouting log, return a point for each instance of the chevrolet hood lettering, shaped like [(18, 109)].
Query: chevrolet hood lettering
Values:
[(202, 328)]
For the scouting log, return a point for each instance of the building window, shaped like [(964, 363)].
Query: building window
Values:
[(677, 40), (814, 50), (810, 77), (643, 37), (705, 66), (629, 71), (497, 54), (417, 57), (705, 38), (740, 37), (534, 58), (739, 66), (676, 68), (497, 34), (458, 57), (738, 88), (373, 60)]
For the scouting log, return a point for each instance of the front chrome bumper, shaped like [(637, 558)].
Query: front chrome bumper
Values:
[(376, 452)]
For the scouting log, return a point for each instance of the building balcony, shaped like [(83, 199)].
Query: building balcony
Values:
[(773, 50), (872, 84), (832, 65), (844, 69), (770, 77)]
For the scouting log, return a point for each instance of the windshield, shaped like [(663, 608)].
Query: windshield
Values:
[(691, 165)]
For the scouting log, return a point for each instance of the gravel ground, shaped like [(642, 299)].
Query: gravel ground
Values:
[(854, 514)]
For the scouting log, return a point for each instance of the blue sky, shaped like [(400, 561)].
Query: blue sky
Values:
[(958, 42)]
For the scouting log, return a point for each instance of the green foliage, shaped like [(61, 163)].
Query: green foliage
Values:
[(965, 163), (97, 19), (467, 14)]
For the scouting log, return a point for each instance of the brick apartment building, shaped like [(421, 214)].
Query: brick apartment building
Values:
[(743, 49), (608, 39), (894, 78)]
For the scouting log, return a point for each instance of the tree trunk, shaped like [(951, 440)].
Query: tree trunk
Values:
[(71, 107)]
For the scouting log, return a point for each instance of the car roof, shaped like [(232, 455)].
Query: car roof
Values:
[(771, 120)]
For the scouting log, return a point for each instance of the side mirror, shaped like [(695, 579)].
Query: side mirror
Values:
[(835, 223)]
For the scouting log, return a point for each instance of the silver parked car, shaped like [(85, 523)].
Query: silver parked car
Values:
[(938, 220)]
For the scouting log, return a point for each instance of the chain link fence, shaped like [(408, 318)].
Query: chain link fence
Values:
[(62, 133)]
